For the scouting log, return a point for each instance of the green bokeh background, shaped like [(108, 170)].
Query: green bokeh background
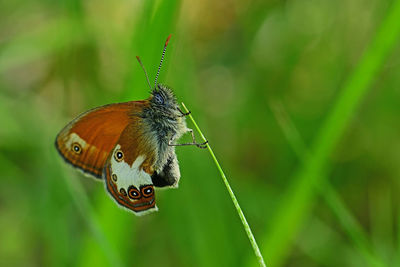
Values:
[(299, 100)]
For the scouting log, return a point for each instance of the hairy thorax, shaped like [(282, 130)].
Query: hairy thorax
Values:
[(163, 126)]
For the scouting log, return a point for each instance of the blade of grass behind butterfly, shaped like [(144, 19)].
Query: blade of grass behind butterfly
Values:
[(380, 196), (118, 223), (318, 239), (397, 258), (351, 226), (298, 201)]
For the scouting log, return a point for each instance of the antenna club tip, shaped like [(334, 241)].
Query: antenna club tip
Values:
[(169, 37)]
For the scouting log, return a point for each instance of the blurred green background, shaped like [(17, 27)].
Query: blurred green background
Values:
[(299, 100)]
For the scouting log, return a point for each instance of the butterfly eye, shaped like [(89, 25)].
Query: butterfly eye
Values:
[(133, 192), (118, 155), (147, 191), (76, 148), (158, 99)]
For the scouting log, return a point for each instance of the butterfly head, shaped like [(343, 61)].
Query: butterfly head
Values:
[(163, 96)]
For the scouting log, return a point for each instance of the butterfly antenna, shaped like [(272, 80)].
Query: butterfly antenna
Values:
[(162, 58), (145, 72)]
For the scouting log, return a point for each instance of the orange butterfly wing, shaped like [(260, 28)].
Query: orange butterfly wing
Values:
[(87, 141)]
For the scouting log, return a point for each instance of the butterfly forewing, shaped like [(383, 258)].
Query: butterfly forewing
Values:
[(87, 141)]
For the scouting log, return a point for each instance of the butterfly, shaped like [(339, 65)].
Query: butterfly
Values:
[(130, 146)]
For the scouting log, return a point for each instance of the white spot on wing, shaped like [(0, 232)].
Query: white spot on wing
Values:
[(130, 175)]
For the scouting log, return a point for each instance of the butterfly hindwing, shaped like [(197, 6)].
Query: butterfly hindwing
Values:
[(128, 170), (87, 141)]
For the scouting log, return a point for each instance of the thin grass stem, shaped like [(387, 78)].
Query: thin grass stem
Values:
[(246, 226)]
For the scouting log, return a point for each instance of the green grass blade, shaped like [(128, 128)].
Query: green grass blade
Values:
[(350, 225), (82, 202), (327, 192), (297, 203), (397, 259)]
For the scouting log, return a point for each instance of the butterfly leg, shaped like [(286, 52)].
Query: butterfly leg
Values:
[(184, 114), (194, 142)]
